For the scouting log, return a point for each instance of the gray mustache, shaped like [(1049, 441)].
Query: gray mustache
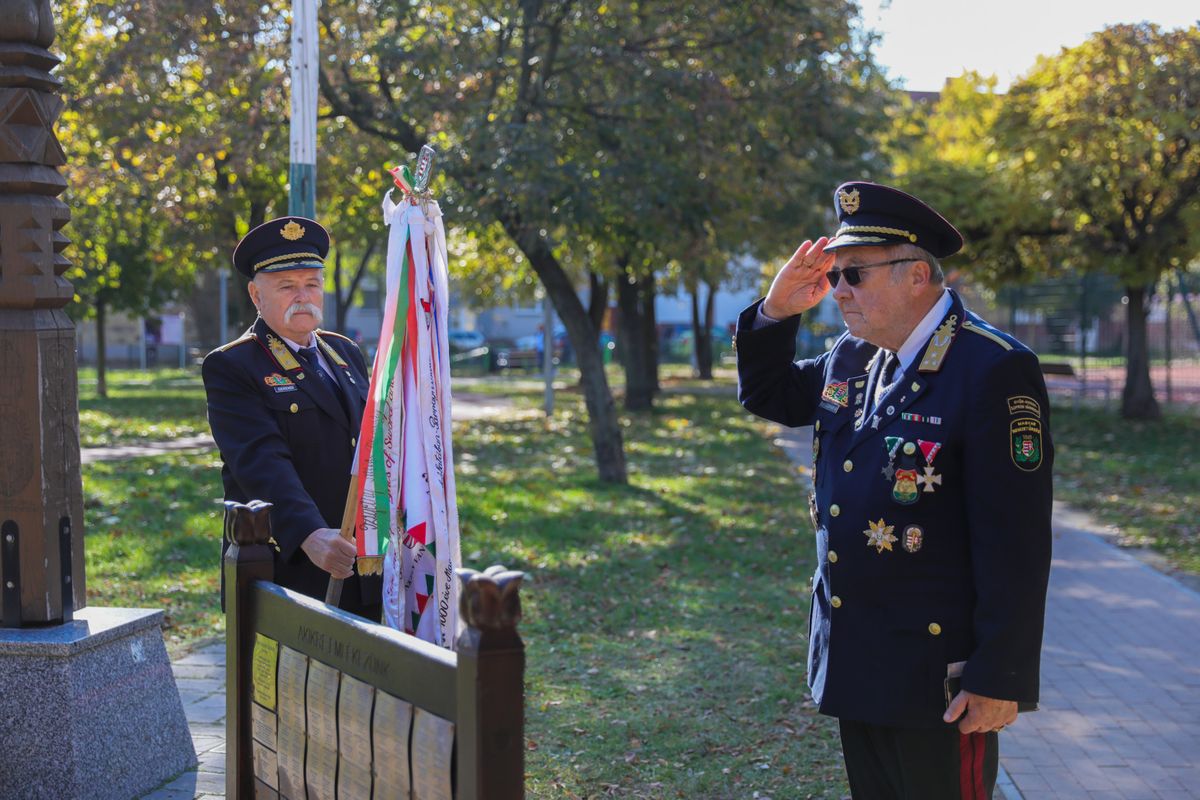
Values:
[(296, 308)]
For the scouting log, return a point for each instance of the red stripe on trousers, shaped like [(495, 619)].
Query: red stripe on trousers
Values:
[(971, 747)]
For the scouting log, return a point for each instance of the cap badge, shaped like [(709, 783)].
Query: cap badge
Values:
[(848, 200), (292, 231)]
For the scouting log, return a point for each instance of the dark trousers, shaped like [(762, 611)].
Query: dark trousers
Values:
[(885, 763)]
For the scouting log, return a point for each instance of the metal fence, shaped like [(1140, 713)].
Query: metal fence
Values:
[(1081, 325)]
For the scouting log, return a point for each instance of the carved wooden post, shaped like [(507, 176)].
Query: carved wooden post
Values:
[(491, 688), (41, 494), (249, 558)]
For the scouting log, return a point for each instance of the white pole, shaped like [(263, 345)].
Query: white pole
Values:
[(302, 172), (548, 352)]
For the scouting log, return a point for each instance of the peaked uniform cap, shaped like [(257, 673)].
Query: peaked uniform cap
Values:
[(872, 215), (282, 244)]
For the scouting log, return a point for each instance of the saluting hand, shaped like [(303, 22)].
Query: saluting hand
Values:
[(326, 548), (801, 283), (983, 714)]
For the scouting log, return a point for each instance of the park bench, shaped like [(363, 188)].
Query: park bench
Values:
[(1061, 376), (321, 703)]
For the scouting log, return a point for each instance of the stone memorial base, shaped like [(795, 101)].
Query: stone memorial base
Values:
[(89, 709)]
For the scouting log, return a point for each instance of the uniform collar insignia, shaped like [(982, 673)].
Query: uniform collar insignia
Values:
[(939, 345), (282, 353), (330, 353)]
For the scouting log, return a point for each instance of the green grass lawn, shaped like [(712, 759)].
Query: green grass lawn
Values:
[(665, 620), (1141, 477), (160, 404)]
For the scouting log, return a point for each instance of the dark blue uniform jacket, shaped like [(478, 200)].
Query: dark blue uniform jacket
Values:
[(286, 438), (932, 514)]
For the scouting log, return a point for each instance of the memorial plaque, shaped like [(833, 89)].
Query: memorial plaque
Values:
[(354, 782), (264, 792), (262, 725), (321, 771), (292, 743), (355, 702), (293, 677), (390, 727), (266, 654), (432, 748), (266, 766), (322, 705)]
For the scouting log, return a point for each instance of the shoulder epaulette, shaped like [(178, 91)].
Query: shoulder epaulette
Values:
[(249, 337), (321, 332), (987, 334)]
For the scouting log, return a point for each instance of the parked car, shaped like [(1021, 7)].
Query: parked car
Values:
[(510, 354), (461, 341)]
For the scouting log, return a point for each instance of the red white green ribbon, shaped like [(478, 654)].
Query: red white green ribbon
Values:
[(407, 509)]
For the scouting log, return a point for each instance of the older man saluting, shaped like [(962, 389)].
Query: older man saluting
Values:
[(931, 503), (285, 401)]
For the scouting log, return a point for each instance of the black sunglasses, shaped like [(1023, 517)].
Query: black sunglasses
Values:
[(854, 274)]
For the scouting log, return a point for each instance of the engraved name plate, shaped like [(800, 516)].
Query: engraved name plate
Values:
[(322, 705), (293, 677), (390, 727), (262, 726), (266, 767), (321, 771), (355, 702), (292, 743), (432, 746)]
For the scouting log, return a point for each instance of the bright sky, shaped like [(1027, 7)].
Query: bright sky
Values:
[(926, 41)]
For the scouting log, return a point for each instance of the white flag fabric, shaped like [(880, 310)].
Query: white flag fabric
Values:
[(405, 462)]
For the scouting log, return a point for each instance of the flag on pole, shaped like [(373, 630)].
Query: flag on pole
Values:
[(407, 512)]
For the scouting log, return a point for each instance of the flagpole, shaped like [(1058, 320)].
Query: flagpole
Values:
[(333, 594), (302, 170)]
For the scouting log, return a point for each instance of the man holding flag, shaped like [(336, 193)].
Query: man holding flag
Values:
[(285, 404)]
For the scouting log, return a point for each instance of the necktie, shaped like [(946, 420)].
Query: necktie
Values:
[(887, 376), (309, 356)]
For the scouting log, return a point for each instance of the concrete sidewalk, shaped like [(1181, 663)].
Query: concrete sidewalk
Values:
[(1120, 700)]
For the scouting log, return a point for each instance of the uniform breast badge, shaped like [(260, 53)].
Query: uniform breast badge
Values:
[(913, 538), (280, 383), (904, 490), (879, 535)]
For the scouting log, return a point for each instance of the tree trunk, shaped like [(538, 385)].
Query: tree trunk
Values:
[(649, 291), (101, 347), (603, 424), (342, 300), (702, 332), (597, 300), (1137, 398), (638, 345)]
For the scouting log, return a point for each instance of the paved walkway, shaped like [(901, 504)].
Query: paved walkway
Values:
[(1120, 699)]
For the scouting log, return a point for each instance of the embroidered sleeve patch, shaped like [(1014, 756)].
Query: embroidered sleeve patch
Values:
[(1026, 437), (837, 393), (1023, 404)]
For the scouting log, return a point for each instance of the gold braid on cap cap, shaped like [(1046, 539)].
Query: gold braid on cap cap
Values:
[(286, 256), (912, 237)]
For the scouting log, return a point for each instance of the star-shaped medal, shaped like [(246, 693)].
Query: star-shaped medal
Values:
[(879, 536), (889, 471)]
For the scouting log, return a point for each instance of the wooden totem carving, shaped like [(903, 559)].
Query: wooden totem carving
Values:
[(41, 494)]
